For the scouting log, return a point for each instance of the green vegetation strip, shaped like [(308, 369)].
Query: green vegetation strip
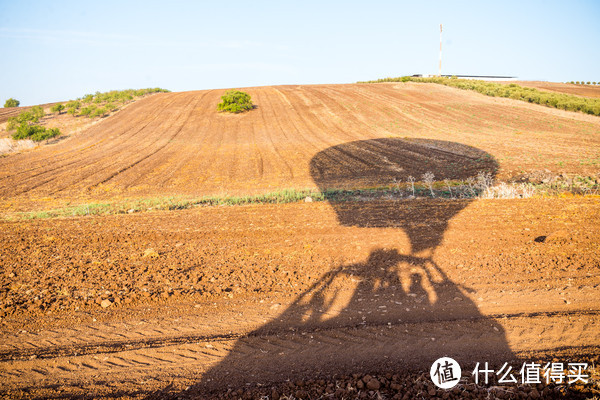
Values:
[(513, 91), (101, 103), (439, 190), (172, 203), (90, 105)]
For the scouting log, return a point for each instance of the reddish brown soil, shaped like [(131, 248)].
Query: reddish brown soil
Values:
[(259, 294), (568, 88), (279, 299), (177, 144)]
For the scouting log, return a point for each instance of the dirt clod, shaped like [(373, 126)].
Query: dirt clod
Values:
[(106, 303)]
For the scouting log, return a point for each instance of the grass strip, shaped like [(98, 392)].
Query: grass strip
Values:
[(470, 189)]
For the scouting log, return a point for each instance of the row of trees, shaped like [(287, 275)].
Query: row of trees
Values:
[(584, 83), (25, 125), (101, 104), (557, 100)]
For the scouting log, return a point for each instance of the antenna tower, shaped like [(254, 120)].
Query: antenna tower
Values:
[(440, 68)]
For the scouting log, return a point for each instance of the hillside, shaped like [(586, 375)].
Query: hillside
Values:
[(307, 299), (177, 143), (568, 88)]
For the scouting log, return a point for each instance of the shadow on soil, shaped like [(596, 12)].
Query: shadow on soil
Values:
[(391, 311)]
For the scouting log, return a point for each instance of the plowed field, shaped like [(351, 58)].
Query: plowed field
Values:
[(280, 299), (177, 144)]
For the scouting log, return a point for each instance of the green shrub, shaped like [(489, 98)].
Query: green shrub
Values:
[(99, 112), (38, 112), (24, 131), (73, 107), (57, 108), (45, 134), (12, 103), (87, 111), (235, 101), (33, 115), (34, 132)]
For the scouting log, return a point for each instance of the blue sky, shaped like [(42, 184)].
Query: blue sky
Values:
[(59, 50)]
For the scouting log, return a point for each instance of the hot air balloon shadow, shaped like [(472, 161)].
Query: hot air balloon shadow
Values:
[(392, 310)]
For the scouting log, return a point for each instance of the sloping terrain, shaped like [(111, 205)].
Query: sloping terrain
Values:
[(6, 113), (177, 144), (568, 88), (239, 300)]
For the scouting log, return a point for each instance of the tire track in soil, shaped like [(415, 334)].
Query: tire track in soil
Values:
[(307, 120), (272, 115), (377, 106), (212, 139), (530, 310), (198, 133), (298, 348), (168, 143), (300, 140)]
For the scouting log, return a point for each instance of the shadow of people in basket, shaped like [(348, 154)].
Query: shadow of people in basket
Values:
[(391, 311)]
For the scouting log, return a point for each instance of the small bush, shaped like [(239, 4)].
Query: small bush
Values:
[(99, 112), (31, 116), (87, 111), (38, 112), (57, 108), (12, 103), (23, 131), (45, 134), (235, 101), (73, 107), (34, 132)]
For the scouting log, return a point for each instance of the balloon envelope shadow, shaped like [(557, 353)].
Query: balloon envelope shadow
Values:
[(391, 311), (388, 161)]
